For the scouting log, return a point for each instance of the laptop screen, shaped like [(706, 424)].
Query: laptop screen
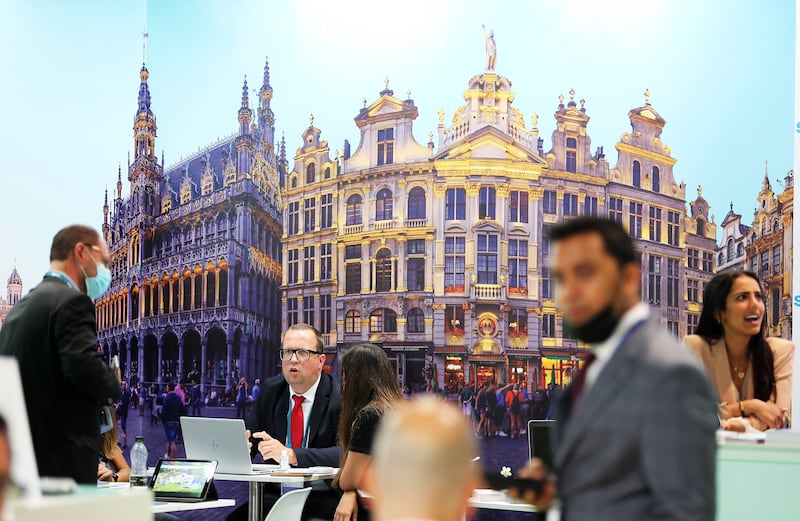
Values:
[(184, 480)]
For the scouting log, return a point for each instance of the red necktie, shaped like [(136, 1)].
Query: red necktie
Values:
[(297, 422), (580, 380)]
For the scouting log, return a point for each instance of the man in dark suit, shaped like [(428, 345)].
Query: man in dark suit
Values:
[(53, 334), (298, 412), (635, 430)]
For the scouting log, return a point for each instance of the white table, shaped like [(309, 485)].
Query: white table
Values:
[(174, 506), (507, 504), (256, 485)]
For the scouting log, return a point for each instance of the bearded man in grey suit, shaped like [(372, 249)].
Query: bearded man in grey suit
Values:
[(635, 431)]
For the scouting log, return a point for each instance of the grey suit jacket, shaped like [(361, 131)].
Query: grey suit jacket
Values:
[(640, 443)]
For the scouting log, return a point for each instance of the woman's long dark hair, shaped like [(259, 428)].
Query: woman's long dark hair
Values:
[(711, 329), (367, 380)]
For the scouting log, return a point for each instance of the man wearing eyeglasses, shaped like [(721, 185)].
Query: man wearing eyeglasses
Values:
[(53, 334), (299, 412)]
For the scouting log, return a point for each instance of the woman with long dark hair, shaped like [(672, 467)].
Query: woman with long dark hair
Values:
[(752, 373), (369, 389)]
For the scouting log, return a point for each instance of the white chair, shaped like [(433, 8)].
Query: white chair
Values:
[(289, 507)]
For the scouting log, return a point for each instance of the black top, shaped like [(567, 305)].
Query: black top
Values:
[(172, 408), (364, 429), (53, 335)]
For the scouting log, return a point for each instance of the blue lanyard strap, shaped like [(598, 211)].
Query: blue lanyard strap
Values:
[(63, 277), (289, 426)]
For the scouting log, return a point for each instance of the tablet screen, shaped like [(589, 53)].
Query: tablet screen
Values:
[(182, 479)]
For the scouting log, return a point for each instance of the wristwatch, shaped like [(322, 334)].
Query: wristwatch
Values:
[(115, 477)]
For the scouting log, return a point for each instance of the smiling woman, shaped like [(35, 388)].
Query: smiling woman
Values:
[(752, 373)]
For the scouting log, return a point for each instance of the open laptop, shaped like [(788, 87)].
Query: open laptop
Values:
[(539, 441), (223, 440)]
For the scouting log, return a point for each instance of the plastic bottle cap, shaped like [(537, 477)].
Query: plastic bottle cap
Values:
[(139, 438)]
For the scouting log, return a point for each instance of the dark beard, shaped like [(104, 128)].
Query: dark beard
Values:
[(598, 328)]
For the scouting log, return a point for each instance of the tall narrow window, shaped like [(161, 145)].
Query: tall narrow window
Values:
[(517, 266), (454, 264), (655, 224), (654, 280), (776, 260), (454, 319), (692, 319), (384, 205), (309, 214), (708, 262), (615, 209), (518, 206), (326, 211), (673, 228), (309, 257), (546, 239), (590, 206), (548, 325), (308, 309), (415, 273), (487, 258), (383, 270), (416, 203), (455, 202), (311, 176), (701, 227), (415, 321), (693, 258), (325, 261), (517, 322), (325, 322), (294, 266), (386, 146), (353, 215), (293, 227), (352, 322), (352, 275), (291, 312), (637, 174), (572, 154), (672, 282), (656, 179), (549, 202), (548, 288), (692, 291), (635, 220), (486, 203)]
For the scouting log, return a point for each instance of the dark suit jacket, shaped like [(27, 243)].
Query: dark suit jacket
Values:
[(52, 333), (639, 444), (272, 408)]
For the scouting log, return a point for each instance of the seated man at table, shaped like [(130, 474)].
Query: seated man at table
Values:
[(299, 412), (421, 467)]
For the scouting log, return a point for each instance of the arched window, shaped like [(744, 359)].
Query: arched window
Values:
[(416, 203), (353, 210), (775, 226), (383, 270), (637, 174), (740, 250), (383, 205), (383, 320), (701, 227), (311, 173), (415, 322), (656, 179), (730, 249), (327, 172), (352, 322)]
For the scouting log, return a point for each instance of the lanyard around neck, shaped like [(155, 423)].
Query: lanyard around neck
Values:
[(289, 426), (63, 277)]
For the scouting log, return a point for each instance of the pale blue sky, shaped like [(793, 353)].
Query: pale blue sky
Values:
[(721, 73)]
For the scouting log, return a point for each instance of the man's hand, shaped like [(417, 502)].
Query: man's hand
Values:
[(536, 469), (270, 448)]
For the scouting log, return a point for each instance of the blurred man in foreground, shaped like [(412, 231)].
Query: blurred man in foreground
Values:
[(422, 468), (635, 430)]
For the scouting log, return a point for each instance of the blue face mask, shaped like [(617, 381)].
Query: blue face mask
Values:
[(97, 285)]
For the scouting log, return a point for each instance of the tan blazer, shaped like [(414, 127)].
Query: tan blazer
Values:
[(715, 360)]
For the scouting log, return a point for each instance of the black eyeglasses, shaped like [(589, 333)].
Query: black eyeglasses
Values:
[(302, 355)]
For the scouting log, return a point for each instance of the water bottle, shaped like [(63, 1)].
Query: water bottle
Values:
[(139, 463)]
